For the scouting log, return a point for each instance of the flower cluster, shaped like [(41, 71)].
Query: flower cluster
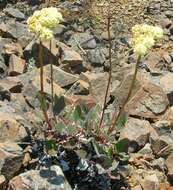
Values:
[(144, 37), (43, 21)]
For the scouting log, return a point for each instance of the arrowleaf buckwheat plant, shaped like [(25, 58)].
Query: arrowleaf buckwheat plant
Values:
[(143, 39), (42, 23)]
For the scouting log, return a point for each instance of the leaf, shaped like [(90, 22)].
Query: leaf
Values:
[(122, 145), (77, 114), (121, 121), (60, 127), (51, 144), (59, 104)]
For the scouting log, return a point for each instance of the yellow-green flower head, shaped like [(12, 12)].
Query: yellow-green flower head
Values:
[(43, 21), (144, 37)]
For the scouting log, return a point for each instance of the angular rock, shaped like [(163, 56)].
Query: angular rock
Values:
[(96, 57), (163, 127), (166, 83), (12, 84), (84, 40), (16, 65), (137, 131), (79, 88), (61, 77), (12, 127), (148, 102), (11, 157), (13, 29), (162, 146), (165, 23), (169, 166), (152, 62), (49, 179), (69, 56), (97, 85), (151, 182), (15, 13)]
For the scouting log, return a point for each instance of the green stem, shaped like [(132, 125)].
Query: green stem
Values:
[(42, 85), (128, 96)]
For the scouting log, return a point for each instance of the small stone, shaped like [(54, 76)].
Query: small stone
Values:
[(167, 58), (15, 13), (16, 65), (4, 94), (105, 35), (165, 22)]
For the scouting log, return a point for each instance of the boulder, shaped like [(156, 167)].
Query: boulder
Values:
[(11, 157), (49, 178), (150, 102)]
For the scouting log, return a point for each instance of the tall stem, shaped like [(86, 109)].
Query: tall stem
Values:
[(42, 85), (128, 96), (110, 69), (51, 75)]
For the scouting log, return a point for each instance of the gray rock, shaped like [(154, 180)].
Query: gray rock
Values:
[(85, 40), (96, 57), (13, 29), (11, 157), (15, 13), (4, 94), (49, 179)]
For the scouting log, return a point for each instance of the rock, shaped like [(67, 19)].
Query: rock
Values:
[(84, 40), (152, 62), (97, 85), (105, 36), (11, 157), (168, 115), (12, 84), (169, 166), (163, 127), (165, 23), (13, 29), (167, 58), (12, 127), (16, 65), (96, 57), (69, 56), (79, 88), (3, 67), (146, 150), (148, 102), (137, 132), (166, 83), (59, 30), (2, 182), (62, 78), (50, 179), (12, 48), (159, 164), (151, 182), (162, 146), (169, 13), (171, 30), (4, 94), (15, 13)]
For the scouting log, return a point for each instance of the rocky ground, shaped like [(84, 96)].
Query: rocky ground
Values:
[(80, 57)]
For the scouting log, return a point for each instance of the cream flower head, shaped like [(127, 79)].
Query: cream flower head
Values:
[(144, 37), (43, 21)]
